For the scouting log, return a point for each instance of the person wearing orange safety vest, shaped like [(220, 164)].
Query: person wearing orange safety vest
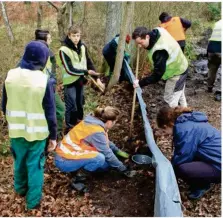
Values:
[(176, 26), (87, 147)]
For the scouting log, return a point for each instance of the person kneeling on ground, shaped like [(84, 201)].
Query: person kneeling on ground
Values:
[(197, 148), (87, 147)]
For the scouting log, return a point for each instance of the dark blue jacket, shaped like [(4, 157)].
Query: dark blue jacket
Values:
[(195, 139), (35, 58)]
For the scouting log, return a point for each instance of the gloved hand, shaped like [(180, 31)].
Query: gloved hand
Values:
[(122, 154), (129, 173)]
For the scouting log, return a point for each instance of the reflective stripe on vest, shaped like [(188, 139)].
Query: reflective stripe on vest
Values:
[(76, 153), (77, 62), (216, 34), (27, 128), (48, 68), (73, 145), (24, 111), (175, 28), (29, 116), (176, 63)]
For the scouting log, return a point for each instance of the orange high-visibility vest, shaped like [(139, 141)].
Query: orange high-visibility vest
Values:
[(175, 28), (73, 146)]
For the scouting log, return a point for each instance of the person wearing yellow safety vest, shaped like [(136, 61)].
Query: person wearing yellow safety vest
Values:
[(75, 64), (167, 62), (87, 146), (109, 52), (176, 26), (214, 57), (28, 103), (50, 69)]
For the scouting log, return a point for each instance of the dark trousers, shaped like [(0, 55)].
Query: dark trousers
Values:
[(214, 62), (111, 63), (198, 174), (74, 101)]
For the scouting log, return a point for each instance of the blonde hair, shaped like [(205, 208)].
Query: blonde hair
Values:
[(167, 115), (107, 113)]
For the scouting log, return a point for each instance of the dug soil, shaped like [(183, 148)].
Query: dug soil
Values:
[(111, 194)]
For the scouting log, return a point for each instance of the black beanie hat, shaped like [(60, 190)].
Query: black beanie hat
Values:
[(35, 56), (163, 16)]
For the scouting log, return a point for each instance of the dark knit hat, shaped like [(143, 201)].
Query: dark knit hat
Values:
[(35, 56), (164, 16)]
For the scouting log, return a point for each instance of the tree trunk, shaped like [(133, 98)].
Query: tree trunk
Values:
[(39, 16), (70, 14), (121, 45), (7, 24), (64, 19), (113, 20)]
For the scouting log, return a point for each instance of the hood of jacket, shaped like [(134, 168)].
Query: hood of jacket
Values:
[(93, 120), (194, 116), (35, 56)]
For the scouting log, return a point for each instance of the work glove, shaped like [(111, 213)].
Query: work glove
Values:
[(129, 173), (122, 154)]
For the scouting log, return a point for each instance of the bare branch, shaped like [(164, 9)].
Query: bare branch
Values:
[(53, 5)]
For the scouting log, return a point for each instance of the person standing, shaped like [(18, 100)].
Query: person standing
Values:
[(28, 103), (176, 26), (214, 57), (50, 69), (76, 64)]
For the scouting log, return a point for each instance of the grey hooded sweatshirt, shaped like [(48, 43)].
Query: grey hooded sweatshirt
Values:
[(98, 140)]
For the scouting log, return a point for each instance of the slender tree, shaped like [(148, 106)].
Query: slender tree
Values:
[(121, 44), (7, 24), (64, 17), (113, 20), (39, 15)]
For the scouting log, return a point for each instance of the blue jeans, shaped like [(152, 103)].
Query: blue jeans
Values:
[(92, 164)]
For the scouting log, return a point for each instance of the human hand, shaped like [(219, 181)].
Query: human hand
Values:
[(93, 73), (52, 145), (136, 83)]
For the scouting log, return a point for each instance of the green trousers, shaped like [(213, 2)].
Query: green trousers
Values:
[(60, 111), (29, 160)]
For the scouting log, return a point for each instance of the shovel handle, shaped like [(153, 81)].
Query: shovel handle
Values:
[(134, 95)]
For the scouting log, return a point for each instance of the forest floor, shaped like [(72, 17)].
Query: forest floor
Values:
[(110, 194)]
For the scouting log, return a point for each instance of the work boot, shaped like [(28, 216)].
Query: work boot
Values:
[(217, 96), (197, 193), (79, 186)]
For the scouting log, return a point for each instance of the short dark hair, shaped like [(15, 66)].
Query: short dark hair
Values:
[(74, 29), (41, 34), (163, 15), (140, 32)]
